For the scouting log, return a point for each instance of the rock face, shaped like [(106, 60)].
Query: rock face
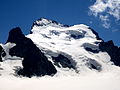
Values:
[(63, 61), (2, 53), (35, 62), (97, 35), (93, 64), (91, 48), (16, 36), (112, 50)]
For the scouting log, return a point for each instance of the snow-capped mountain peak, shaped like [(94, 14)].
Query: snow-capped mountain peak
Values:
[(43, 22), (54, 48), (77, 43), (59, 50), (47, 27)]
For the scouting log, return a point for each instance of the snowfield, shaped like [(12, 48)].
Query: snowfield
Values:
[(104, 80), (96, 81)]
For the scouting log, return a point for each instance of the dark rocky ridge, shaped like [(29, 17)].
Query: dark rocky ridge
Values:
[(112, 50), (94, 32), (109, 47), (35, 62)]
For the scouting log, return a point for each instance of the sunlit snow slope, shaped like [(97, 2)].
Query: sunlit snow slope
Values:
[(54, 38)]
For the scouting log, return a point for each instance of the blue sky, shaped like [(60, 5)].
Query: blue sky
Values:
[(23, 13)]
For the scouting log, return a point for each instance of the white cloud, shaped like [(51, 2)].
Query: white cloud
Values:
[(105, 20), (104, 9)]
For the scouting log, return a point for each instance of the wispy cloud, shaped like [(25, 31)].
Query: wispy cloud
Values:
[(104, 9), (105, 20), (115, 30)]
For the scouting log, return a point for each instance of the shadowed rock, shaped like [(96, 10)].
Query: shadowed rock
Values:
[(35, 62), (2, 53), (63, 61), (94, 32), (93, 64), (91, 47)]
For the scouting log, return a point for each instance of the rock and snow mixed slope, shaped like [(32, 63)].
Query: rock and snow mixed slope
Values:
[(78, 43), (71, 49), (74, 51)]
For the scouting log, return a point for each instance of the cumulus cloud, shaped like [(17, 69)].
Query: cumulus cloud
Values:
[(104, 9)]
